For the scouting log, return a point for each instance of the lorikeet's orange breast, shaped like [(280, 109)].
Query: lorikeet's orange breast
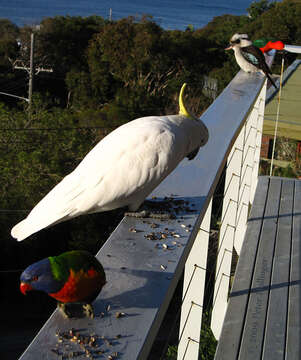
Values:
[(80, 286)]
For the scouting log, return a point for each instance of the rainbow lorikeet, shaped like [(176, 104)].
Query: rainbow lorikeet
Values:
[(70, 278), (267, 44)]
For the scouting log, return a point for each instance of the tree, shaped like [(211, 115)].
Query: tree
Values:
[(8, 41), (65, 39), (257, 8)]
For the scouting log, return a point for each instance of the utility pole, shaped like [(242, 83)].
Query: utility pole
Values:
[(31, 70)]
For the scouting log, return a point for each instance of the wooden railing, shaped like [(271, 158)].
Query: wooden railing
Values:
[(145, 259)]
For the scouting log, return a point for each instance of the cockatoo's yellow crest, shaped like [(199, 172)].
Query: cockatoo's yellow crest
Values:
[(183, 110)]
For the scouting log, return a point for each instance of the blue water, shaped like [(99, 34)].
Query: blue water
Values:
[(170, 14)]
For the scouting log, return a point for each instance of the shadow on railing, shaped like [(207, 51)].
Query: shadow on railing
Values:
[(143, 271)]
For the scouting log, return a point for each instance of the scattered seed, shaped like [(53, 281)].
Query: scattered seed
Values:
[(176, 235), (107, 342), (119, 314), (133, 230), (151, 236), (118, 336), (163, 267), (108, 308), (183, 225), (153, 225), (165, 246)]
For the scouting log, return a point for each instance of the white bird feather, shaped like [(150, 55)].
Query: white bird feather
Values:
[(121, 170)]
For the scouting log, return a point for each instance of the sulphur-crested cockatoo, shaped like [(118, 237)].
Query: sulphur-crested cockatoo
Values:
[(121, 170)]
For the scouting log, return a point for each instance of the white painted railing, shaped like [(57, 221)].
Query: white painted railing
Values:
[(142, 274)]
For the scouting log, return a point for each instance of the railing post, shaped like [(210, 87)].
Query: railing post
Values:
[(237, 197), (227, 235), (193, 293), (247, 173), (259, 126)]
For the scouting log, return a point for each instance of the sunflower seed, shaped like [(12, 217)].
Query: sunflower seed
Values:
[(119, 314)]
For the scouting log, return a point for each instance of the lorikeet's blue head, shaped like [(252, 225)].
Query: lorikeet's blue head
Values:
[(39, 276)]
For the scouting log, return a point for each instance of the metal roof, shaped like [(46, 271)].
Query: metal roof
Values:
[(289, 124)]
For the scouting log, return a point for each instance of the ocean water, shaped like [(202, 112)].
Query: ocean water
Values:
[(169, 14)]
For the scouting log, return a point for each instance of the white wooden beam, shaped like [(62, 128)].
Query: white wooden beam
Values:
[(193, 293), (237, 195)]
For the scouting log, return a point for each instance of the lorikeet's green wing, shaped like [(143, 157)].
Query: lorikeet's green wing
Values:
[(76, 260), (83, 276)]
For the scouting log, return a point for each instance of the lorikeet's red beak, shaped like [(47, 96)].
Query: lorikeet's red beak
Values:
[(24, 287)]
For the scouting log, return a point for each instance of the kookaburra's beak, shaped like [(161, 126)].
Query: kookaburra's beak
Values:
[(229, 47)]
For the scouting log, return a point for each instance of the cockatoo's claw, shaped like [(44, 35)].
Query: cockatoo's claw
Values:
[(148, 214), (147, 211), (137, 214)]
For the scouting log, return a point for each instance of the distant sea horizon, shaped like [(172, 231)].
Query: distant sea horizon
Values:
[(169, 14)]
